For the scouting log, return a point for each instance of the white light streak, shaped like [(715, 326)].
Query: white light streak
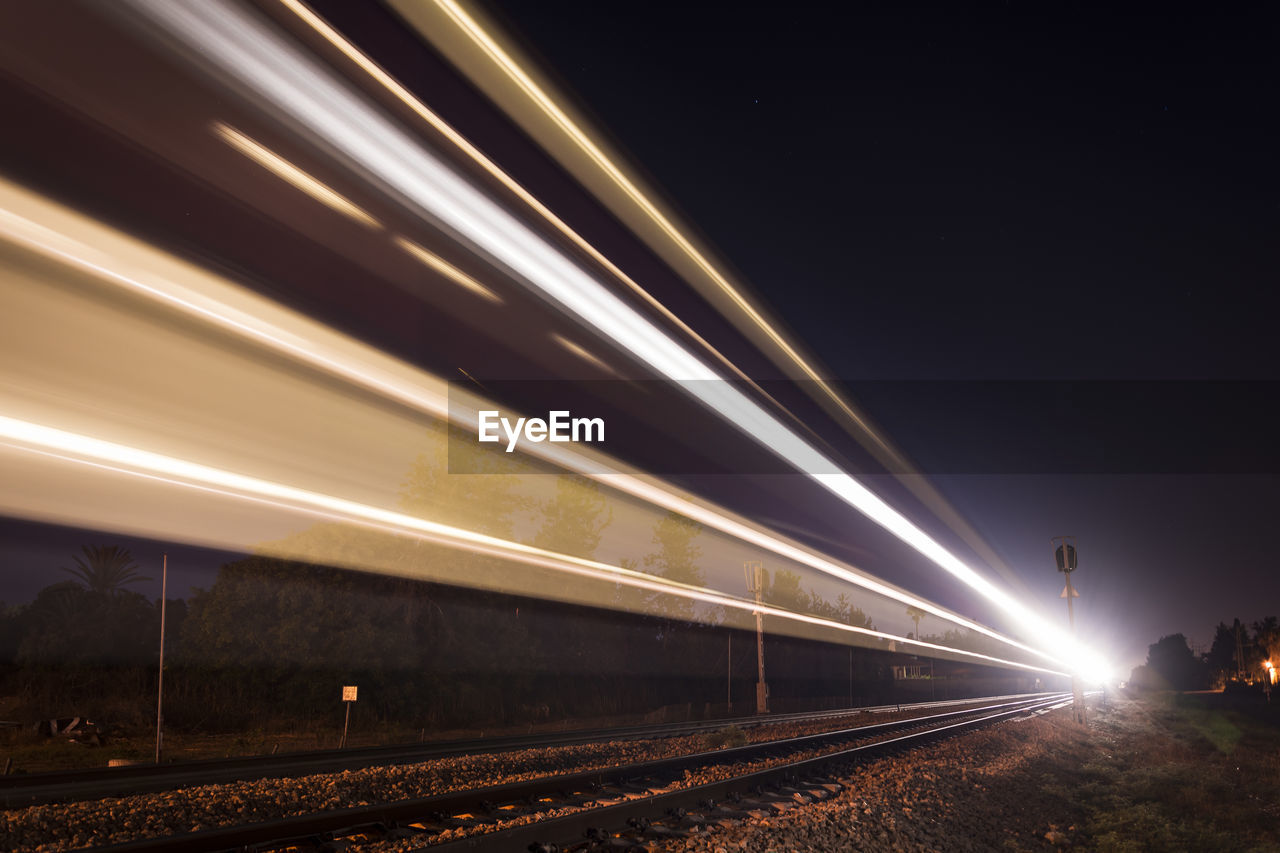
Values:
[(74, 447), (40, 226), (304, 91)]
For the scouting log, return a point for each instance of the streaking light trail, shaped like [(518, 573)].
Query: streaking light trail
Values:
[(124, 263), (309, 94), (532, 103), (286, 171), (406, 97), (74, 447)]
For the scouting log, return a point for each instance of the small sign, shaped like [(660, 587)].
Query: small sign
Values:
[(349, 693)]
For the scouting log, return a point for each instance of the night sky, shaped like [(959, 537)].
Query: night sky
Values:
[(997, 192)]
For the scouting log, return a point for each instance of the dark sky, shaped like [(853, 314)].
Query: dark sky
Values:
[(995, 191)]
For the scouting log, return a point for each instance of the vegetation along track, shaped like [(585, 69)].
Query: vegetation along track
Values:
[(608, 808)]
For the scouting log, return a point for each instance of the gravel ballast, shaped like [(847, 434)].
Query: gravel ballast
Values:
[(65, 826), (1156, 773)]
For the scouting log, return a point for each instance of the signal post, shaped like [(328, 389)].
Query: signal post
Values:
[(1065, 556)]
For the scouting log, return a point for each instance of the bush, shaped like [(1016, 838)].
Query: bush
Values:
[(729, 736)]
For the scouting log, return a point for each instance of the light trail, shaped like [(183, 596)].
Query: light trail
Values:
[(134, 461), (439, 125), (442, 30), (40, 226), (583, 353), (467, 25), (310, 95), (291, 174), (446, 269)]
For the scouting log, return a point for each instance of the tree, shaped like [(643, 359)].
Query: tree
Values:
[(105, 569), (1266, 640), (68, 624), (842, 611), (916, 614), (1221, 658), (574, 520), (782, 589), (676, 560), (1172, 664), (455, 482)]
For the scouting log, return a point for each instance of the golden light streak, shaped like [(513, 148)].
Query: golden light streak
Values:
[(526, 84), (584, 354), (310, 95), (46, 228), (123, 262), (75, 447), (320, 26), (418, 14), (286, 171), (445, 268)]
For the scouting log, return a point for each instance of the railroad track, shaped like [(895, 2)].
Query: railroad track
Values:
[(32, 789), (609, 808)]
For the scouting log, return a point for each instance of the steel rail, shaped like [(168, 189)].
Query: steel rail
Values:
[(652, 815), (96, 783), (572, 789)]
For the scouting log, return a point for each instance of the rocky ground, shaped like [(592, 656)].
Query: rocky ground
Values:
[(1150, 774), (1156, 774), (66, 826)]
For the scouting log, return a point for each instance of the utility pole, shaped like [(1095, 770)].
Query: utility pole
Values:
[(1065, 556), (1239, 653), (851, 676), (164, 589), (755, 584)]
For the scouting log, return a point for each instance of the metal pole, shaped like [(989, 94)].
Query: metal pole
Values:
[(762, 701), (755, 583), (1068, 546), (1239, 654), (164, 591), (851, 676), (762, 694), (728, 680), (345, 721), (1077, 695)]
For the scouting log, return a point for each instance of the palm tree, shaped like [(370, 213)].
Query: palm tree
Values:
[(916, 614), (105, 569)]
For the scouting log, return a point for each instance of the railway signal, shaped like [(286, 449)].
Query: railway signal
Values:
[(1066, 558)]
